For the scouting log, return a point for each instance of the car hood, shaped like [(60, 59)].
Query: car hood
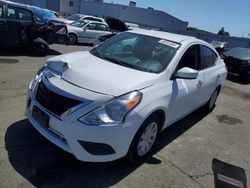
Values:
[(116, 24), (101, 76)]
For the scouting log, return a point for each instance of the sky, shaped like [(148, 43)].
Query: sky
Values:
[(210, 15)]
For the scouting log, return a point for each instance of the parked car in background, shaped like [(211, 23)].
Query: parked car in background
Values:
[(86, 31), (22, 26), (48, 15), (220, 46), (77, 17), (237, 61), (114, 100), (116, 26)]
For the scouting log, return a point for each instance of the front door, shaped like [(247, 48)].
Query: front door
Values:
[(89, 33), (186, 93)]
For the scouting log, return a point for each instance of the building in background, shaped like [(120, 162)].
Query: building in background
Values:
[(144, 17)]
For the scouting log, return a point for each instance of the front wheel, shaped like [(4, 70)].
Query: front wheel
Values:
[(72, 39), (144, 139)]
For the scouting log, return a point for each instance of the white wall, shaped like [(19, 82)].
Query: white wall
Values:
[(66, 9)]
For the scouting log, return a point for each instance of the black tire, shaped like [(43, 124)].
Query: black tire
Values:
[(209, 106), (133, 153), (72, 39), (245, 76), (39, 48)]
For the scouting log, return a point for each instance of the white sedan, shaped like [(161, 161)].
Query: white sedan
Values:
[(86, 32), (114, 100)]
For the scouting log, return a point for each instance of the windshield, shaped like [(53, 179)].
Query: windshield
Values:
[(74, 17), (136, 51), (78, 23), (240, 53), (43, 13)]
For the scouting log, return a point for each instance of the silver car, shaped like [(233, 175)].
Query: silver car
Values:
[(86, 32)]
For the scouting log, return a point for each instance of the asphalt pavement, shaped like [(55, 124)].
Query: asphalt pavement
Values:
[(186, 153)]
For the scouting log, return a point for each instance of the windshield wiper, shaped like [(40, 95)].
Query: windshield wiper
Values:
[(119, 62)]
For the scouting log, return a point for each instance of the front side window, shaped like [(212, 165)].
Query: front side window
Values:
[(208, 57), (190, 58), (136, 51), (102, 27), (91, 26)]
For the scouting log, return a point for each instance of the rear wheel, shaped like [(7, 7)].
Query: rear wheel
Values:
[(144, 139), (211, 103), (72, 39)]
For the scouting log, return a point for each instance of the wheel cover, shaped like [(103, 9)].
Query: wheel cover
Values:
[(147, 139), (213, 99)]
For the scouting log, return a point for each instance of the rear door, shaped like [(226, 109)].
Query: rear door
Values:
[(18, 21), (211, 72)]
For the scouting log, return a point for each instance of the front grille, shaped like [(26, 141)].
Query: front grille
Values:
[(54, 102)]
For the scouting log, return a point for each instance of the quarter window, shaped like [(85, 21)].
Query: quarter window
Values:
[(208, 57)]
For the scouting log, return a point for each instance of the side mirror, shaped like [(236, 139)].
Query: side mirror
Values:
[(84, 29), (187, 73)]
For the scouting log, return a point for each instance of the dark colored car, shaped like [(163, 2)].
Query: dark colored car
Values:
[(22, 26), (220, 46), (237, 61)]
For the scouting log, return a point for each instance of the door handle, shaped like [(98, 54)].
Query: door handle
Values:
[(199, 84), (218, 77)]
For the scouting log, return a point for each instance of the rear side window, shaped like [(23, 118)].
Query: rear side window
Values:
[(1, 11), (16, 13), (208, 57)]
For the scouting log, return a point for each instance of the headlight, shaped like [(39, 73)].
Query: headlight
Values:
[(114, 111), (57, 67)]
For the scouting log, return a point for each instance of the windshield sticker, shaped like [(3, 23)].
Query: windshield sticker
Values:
[(168, 43)]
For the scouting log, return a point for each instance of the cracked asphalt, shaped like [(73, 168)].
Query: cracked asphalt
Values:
[(182, 157)]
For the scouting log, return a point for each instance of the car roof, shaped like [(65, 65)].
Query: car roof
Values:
[(15, 4), (165, 35), (88, 21)]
